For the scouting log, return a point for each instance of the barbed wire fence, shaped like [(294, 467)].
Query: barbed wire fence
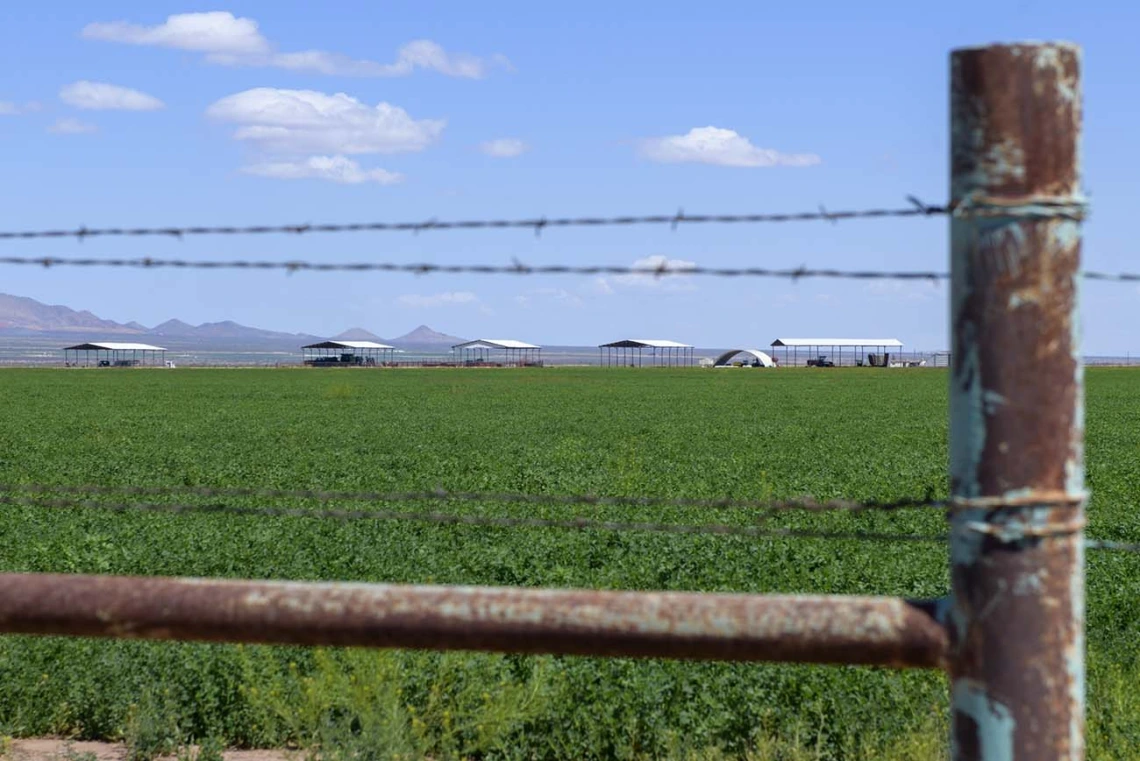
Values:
[(517, 267), (89, 497), (1037, 521)]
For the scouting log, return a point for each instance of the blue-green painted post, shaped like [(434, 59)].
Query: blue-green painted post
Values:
[(1016, 618)]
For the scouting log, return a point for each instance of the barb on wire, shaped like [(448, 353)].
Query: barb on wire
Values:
[(808, 504), (577, 523), (515, 268), (673, 220)]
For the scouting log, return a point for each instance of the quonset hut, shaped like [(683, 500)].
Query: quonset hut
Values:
[(751, 358)]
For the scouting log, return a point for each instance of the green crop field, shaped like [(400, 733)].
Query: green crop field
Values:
[(863, 434)]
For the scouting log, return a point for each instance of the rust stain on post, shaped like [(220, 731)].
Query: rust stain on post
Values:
[(879, 631), (1017, 618)]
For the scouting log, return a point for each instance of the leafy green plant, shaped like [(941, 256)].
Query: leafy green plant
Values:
[(152, 728), (209, 749), (858, 434)]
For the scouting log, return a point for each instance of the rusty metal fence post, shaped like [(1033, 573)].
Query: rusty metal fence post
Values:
[(1016, 618)]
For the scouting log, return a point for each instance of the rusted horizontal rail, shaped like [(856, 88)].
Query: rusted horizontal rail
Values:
[(879, 631)]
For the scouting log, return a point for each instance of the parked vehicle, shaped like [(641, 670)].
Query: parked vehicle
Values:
[(820, 361)]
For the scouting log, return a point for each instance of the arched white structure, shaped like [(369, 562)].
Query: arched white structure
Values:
[(761, 357)]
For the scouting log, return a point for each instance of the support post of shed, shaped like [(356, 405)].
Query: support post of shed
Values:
[(1016, 616)]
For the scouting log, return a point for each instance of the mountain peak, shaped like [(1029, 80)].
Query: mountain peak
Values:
[(423, 335), (357, 334), (173, 327)]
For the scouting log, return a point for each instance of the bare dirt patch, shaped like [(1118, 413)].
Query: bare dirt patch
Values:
[(53, 749)]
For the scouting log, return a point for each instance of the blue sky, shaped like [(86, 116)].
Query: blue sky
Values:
[(121, 115)]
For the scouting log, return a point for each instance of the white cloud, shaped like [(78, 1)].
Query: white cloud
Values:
[(101, 96), (233, 41), (9, 108), (214, 32), (72, 127), (418, 54), (332, 168), (722, 147), (504, 148), (666, 281), (306, 121), (450, 298)]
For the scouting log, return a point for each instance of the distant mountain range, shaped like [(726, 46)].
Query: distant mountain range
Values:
[(421, 336), (20, 315)]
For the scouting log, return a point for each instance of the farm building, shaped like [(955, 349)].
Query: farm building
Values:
[(873, 352), (499, 352), (113, 354), (751, 358), (630, 352), (346, 353)]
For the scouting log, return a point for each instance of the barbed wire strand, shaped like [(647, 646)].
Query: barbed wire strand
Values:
[(809, 504), (515, 268), (768, 510), (917, 209), (577, 523)]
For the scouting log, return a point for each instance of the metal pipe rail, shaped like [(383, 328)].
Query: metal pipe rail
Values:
[(878, 631)]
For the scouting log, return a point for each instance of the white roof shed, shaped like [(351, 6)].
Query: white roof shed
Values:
[(113, 346), (348, 345), (826, 352), (893, 343), (645, 343), (113, 354), (495, 343), (629, 352)]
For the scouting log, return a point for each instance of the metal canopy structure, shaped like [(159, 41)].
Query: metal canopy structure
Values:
[(113, 354), (481, 352), (875, 352), (347, 354), (630, 352), (758, 358)]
